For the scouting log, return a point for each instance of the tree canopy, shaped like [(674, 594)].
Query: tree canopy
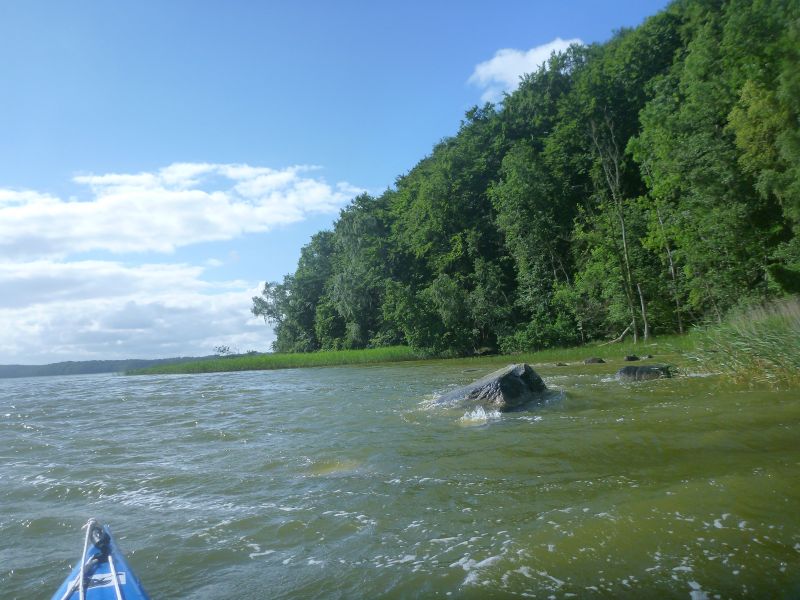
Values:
[(648, 183)]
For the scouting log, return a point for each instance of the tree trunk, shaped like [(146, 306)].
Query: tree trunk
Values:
[(713, 302), (671, 270), (644, 314), (621, 336), (610, 160)]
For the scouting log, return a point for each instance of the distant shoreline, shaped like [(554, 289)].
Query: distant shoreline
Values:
[(665, 345), (272, 361), (89, 367), (758, 346)]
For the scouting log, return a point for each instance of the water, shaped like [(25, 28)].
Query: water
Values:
[(347, 483)]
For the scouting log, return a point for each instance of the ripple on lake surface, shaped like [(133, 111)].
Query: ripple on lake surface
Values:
[(344, 482)]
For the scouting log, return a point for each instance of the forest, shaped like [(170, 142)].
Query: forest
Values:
[(637, 187)]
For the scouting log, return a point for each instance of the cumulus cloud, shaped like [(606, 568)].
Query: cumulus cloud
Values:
[(45, 282), (52, 311), (179, 205), (501, 73), (58, 306)]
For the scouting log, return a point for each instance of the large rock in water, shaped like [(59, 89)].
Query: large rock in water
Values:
[(506, 389)]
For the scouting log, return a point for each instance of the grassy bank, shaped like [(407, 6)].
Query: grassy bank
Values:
[(756, 346), (259, 362), (660, 346), (760, 346)]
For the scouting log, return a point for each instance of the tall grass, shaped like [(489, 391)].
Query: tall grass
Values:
[(257, 362), (659, 346), (662, 345), (673, 344), (760, 345)]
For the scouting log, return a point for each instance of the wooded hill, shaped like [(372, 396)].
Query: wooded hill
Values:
[(648, 183), (88, 367)]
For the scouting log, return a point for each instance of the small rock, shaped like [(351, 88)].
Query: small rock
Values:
[(643, 373), (646, 356), (561, 364), (631, 358), (593, 361)]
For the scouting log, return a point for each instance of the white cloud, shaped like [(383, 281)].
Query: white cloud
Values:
[(56, 307), (502, 72), (179, 205), (52, 311), (45, 282)]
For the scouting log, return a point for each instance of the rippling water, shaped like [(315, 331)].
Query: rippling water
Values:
[(346, 483)]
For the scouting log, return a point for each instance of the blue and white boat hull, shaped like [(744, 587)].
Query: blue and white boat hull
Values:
[(102, 573)]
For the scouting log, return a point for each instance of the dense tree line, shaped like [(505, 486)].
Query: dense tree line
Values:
[(645, 184)]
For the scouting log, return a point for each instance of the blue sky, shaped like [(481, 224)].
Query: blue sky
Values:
[(160, 160)]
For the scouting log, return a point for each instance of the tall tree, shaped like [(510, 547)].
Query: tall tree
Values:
[(648, 183)]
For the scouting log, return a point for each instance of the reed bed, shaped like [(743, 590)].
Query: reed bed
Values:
[(758, 346), (673, 344), (258, 362), (658, 346)]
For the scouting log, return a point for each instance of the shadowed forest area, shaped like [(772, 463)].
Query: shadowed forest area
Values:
[(638, 187)]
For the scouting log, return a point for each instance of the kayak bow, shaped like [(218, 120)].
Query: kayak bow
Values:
[(102, 573)]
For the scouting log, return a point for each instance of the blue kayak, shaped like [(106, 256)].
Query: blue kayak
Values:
[(102, 573)]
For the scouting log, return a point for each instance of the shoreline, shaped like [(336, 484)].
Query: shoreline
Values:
[(664, 345)]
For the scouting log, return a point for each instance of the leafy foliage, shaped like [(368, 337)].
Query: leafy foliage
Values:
[(642, 185)]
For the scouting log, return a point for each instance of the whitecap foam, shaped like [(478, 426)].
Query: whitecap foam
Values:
[(696, 591), (533, 419), (479, 416), (256, 551)]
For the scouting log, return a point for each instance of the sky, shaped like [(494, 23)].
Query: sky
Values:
[(161, 160)]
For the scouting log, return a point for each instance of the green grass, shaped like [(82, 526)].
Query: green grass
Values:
[(672, 344), (672, 349), (659, 347), (258, 362), (760, 345), (756, 346)]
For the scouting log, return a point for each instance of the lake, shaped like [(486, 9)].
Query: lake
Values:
[(348, 483)]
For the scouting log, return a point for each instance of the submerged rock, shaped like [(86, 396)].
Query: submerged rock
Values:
[(593, 361), (506, 389), (642, 373)]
